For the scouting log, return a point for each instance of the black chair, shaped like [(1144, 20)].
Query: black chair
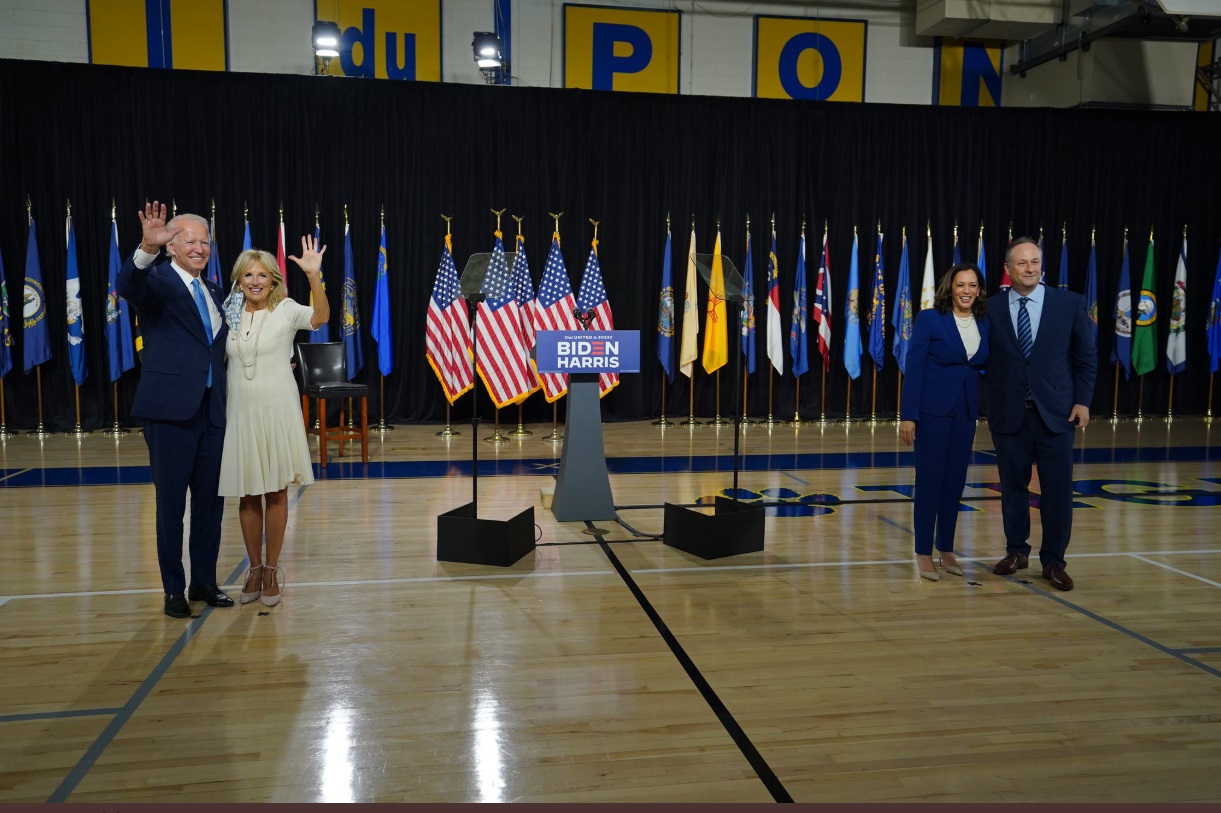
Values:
[(323, 369)]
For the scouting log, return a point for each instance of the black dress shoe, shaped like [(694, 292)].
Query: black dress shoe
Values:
[(211, 594), (176, 606)]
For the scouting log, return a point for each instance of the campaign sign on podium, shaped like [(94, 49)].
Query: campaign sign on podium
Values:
[(462, 535), (582, 489), (734, 527)]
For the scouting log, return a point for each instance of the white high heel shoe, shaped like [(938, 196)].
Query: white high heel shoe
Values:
[(277, 578), (247, 598)]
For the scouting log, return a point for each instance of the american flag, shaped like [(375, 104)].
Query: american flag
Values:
[(523, 292), (555, 306), (592, 297), (822, 305), (502, 356), (447, 333)]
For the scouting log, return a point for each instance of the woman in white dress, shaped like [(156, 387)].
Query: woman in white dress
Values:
[(265, 447)]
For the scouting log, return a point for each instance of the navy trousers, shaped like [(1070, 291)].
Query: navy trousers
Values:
[(186, 455), (1051, 453), (943, 451)]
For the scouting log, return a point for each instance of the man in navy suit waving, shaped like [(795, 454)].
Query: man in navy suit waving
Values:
[(181, 396), (1039, 382)]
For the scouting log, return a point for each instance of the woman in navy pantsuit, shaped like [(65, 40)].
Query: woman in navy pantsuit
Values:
[(949, 346)]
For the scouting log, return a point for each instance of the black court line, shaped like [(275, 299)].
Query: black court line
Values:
[(748, 749), (1200, 650), (1178, 654), (112, 729)]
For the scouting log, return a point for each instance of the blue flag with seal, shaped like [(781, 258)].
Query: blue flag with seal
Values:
[(214, 272), (902, 316), (1091, 293), (119, 343), (380, 328), (246, 244), (1213, 330), (665, 314), (1062, 282), (877, 313), (852, 314), (798, 344), (1121, 351), (76, 316), (6, 336), (982, 259), (351, 311), (748, 309), (36, 333), (323, 333)]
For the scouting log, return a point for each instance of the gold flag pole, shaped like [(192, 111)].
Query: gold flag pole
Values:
[(555, 436), (521, 431), (1208, 416), (796, 379), (40, 431), (4, 433), (78, 431), (691, 421), (117, 430), (449, 431), (497, 436), (663, 421), (1115, 389), (771, 419)]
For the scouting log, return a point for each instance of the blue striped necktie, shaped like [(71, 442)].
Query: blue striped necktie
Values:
[(1024, 334), (202, 304)]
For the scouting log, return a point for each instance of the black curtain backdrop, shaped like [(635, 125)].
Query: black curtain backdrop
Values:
[(93, 134)]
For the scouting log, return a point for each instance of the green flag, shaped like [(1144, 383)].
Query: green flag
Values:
[(1144, 341)]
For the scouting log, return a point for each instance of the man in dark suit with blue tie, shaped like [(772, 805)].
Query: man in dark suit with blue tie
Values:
[(181, 396), (1039, 383)]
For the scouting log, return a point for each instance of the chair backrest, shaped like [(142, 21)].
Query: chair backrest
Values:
[(322, 363)]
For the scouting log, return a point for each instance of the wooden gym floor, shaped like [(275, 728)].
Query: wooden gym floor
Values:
[(606, 666)]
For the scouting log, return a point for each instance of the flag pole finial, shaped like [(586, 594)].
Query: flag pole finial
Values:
[(748, 221), (981, 229), (70, 209), (903, 232), (281, 211), (245, 211), (879, 227), (1184, 231), (498, 214), (29, 209), (1092, 230), (173, 207), (112, 211), (667, 221), (955, 231), (213, 208), (556, 216), (824, 227), (595, 222), (316, 224), (345, 215), (928, 228), (1150, 234), (854, 231), (1125, 233), (447, 219), (383, 216), (519, 220)]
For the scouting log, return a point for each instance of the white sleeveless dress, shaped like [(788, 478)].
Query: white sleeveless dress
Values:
[(265, 446)]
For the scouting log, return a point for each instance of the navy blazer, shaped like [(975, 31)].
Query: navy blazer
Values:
[(176, 356), (1061, 369), (939, 374)]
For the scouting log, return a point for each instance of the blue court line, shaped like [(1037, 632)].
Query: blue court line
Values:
[(56, 715), (137, 475), (103, 741)]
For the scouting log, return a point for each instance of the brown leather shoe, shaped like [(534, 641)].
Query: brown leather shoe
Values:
[(1058, 578), (1012, 563)]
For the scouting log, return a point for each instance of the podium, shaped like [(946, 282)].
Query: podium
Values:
[(734, 527), (462, 536), (582, 489)]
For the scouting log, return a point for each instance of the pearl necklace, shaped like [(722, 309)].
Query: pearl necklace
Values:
[(964, 321), (248, 364)]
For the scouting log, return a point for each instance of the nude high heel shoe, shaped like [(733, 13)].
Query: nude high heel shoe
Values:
[(277, 579), (951, 568), (247, 598), (931, 575)]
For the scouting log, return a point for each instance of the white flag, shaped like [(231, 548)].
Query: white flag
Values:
[(1176, 344), (688, 352), (928, 288)]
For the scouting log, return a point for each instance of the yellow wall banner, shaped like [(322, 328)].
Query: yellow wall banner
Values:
[(190, 34), (967, 73), (621, 49), (800, 58), (387, 39)]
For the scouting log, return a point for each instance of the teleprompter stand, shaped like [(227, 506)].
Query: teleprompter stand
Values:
[(462, 536), (734, 527)]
